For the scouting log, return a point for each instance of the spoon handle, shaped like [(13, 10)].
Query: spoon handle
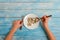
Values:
[(47, 16), (22, 20)]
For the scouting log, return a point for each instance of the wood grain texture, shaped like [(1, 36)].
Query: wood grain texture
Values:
[(11, 10), (4, 1), (28, 6)]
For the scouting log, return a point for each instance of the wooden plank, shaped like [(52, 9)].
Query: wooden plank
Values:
[(23, 32), (29, 37), (11, 10), (25, 38), (53, 25), (22, 6), (9, 21), (20, 13), (29, 1)]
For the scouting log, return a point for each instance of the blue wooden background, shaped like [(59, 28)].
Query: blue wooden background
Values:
[(11, 10)]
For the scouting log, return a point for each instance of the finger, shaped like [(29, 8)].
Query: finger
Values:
[(20, 22), (45, 16), (42, 18), (14, 21)]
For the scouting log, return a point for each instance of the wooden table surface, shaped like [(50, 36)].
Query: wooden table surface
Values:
[(11, 10)]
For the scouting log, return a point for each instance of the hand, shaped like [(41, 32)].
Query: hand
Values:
[(45, 19), (17, 24), (47, 30)]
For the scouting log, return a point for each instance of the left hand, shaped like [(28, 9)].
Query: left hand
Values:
[(17, 24)]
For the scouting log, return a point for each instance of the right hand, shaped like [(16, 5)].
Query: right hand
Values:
[(45, 19)]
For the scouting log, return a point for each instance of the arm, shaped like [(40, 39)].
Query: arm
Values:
[(45, 24), (17, 24)]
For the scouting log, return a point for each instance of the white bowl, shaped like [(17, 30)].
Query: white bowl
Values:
[(34, 26)]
